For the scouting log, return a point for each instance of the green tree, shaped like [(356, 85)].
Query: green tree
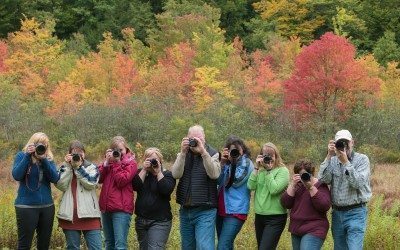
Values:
[(386, 49)]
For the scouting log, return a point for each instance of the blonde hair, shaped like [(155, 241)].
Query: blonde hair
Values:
[(151, 151), (278, 158), (40, 137), (117, 140)]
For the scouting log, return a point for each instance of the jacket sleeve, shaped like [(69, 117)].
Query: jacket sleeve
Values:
[(50, 170), (103, 171), (276, 184), (137, 183), (321, 201), (88, 176), (358, 176), (178, 167), (212, 165), (287, 201), (123, 172), (325, 171), (20, 165), (65, 174), (242, 173), (252, 182), (167, 184)]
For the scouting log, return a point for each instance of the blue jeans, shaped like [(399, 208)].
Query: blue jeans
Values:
[(306, 242), (116, 228), (197, 227), (92, 238), (227, 229), (348, 228)]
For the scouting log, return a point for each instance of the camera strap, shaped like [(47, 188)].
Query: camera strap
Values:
[(40, 178)]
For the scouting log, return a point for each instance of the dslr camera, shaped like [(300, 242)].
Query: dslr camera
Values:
[(192, 142), (306, 176), (153, 163), (234, 153), (341, 144), (116, 153), (76, 157), (40, 149), (267, 159)]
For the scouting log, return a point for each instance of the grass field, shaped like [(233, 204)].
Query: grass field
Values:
[(382, 232)]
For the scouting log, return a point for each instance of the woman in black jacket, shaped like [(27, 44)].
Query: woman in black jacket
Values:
[(154, 186)]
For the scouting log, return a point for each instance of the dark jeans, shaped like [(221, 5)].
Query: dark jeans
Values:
[(31, 219), (269, 229), (152, 234)]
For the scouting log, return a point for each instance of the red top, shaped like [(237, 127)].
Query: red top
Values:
[(78, 223), (221, 208), (308, 214)]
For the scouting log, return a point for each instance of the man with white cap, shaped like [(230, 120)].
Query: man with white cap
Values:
[(348, 174)]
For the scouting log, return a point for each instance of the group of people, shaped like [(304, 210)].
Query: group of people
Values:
[(213, 192)]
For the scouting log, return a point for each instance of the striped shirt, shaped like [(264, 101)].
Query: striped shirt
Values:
[(349, 182)]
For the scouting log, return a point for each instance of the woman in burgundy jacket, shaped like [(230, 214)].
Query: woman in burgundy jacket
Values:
[(116, 196), (309, 200)]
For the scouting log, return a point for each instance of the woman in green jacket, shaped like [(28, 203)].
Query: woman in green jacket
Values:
[(269, 180)]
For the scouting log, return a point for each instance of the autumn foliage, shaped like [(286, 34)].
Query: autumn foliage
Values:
[(327, 81)]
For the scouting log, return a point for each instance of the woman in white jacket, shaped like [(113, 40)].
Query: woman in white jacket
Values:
[(79, 211)]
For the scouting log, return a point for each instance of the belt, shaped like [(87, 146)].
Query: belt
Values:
[(346, 208)]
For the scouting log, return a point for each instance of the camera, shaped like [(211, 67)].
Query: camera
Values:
[(234, 153), (76, 157), (154, 163), (305, 176), (116, 153), (341, 144), (40, 149), (267, 159), (192, 142)]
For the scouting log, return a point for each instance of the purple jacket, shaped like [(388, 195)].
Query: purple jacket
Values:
[(308, 214)]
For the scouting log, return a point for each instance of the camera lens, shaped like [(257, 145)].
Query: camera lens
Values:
[(234, 153), (192, 143), (40, 149), (116, 153), (305, 176), (267, 159), (154, 163), (341, 144), (76, 157)]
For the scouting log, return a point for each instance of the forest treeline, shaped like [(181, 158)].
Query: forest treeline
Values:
[(290, 72)]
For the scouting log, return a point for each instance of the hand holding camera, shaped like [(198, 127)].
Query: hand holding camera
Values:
[(196, 145), (74, 159), (185, 145), (331, 148), (113, 155), (265, 161)]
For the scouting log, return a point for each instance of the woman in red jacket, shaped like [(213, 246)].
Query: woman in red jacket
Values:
[(116, 197)]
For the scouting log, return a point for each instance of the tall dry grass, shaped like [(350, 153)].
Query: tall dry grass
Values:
[(382, 231)]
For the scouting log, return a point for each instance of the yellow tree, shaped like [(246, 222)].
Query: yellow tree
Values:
[(108, 77), (291, 17), (208, 90), (33, 52)]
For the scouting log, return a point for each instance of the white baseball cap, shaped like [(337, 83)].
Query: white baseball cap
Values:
[(343, 134)]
